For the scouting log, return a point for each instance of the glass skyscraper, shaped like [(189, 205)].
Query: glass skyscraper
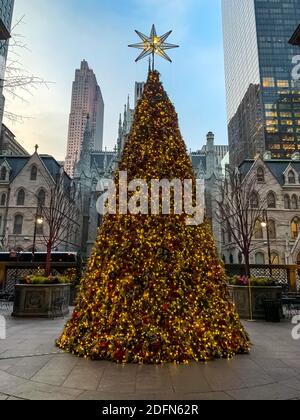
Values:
[(263, 99)]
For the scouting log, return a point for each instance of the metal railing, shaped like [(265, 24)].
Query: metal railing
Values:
[(287, 275)]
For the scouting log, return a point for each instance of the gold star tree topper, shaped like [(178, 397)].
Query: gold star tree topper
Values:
[(154, 44)]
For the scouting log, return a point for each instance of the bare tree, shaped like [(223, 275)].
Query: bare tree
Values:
[(240, 211), (59, 213), (16, 81)]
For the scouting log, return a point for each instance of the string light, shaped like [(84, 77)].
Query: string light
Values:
[(154, 291)]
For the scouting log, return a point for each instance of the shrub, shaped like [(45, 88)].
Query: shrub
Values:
[(43, 280), (255, 281)]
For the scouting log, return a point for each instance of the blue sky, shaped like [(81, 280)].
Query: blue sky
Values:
[(62, 33)]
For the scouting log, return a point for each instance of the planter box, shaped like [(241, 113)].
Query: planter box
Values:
[(41, 301), (240, 296)]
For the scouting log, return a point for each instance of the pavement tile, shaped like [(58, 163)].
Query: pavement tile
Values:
[(267, 392), (56, 371)]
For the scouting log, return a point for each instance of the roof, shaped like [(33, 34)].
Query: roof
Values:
[(276, 167), (17, 163), (99, 158), (295, 40), (197, 160)]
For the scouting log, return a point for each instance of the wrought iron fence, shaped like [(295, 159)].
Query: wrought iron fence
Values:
[(287, 275)]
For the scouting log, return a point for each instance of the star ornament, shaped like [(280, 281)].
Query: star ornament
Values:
[(154, 44)]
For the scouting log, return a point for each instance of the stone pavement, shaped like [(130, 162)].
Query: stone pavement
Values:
[(32, 368)]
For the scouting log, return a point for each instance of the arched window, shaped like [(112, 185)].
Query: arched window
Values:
[(287, 202), (3, 173), (260, 258), (21, 198), (41, 198), (295, 227), (272, 229), (292, 178), (33, 174), (18, 224), (231, 259), (229, 233), (275, 260), (271, 200), (260, 175), (3, 200), (40, 229), (254, 200), (240, 258), (223, 237), (259, 234), (294, 202)]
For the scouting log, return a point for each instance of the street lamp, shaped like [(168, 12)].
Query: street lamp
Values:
[(265, 224), (38, 221)]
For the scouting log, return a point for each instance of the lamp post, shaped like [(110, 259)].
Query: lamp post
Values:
[(38, 221), (265, 224)]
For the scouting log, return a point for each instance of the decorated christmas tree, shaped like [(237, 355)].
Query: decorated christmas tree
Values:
[(154, 290)]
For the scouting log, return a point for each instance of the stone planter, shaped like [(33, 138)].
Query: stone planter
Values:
[(41, 301), (240, 296)]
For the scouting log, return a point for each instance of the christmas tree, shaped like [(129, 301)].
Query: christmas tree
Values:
[(154, 290)]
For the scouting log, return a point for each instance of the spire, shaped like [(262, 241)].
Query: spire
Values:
[(86, 143), (120, 126)]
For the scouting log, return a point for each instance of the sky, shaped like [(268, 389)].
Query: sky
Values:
[(59, 34)]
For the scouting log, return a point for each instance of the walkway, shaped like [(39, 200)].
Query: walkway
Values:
[(32, 368)]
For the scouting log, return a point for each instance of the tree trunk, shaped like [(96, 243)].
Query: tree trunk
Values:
[(48, 259), (247, 263)]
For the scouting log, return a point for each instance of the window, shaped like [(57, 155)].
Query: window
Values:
[(18, 225), (240, 258), (292, 178), (3, 200), (295, 227), (229, 233), (223, 237), (260, 258), (41, 198), (271, 200), (287, 202), (231, 259), (260, 175), (259, 234), (254, 200), (21, 198), (33, 175), (298, 259), (40, 229), (294, 202), (272, 229), (275, 260), (3, 173)]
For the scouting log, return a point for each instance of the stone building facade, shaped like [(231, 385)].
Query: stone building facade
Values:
[(24, 182), (9, 146), (279, 191)]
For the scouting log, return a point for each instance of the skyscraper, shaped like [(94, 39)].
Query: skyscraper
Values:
[(87, 101), (6, 13), (263, 99)]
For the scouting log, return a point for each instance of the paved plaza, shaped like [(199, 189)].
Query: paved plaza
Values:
[(32, 368)]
